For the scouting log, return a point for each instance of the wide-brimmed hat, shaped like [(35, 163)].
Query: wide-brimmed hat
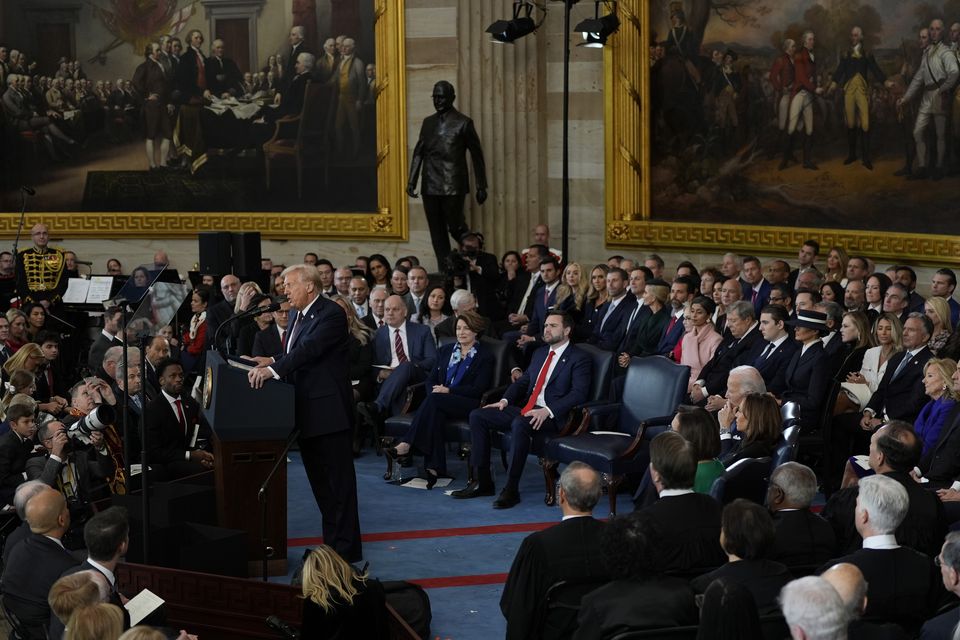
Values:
[(811, 320)]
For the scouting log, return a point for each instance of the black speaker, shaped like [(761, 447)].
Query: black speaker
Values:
[(215, 252), (246, 254)]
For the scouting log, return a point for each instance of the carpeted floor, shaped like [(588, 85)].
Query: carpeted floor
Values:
[(459, 550)]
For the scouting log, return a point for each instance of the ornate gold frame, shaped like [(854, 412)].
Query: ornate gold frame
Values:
[(390, 222), (627, 176)]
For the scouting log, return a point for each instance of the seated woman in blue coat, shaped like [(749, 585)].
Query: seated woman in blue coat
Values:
[(463, 372)]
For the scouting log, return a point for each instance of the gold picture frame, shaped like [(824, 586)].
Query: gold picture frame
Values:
[(629, 222), (389, 222)]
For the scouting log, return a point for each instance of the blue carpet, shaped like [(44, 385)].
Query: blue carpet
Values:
[(469, 612)]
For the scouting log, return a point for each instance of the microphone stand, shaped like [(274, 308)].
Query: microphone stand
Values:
[(262, 498)]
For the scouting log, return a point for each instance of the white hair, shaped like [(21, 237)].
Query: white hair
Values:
[(797, 481), (307, 59), (459, 297), (813, 605), (885, 500), (299, 30), (750, 379)]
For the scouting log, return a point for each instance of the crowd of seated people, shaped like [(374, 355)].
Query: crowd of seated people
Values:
[(877, 406)]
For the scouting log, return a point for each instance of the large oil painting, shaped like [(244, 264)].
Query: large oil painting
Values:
[(766, 121), (180, 115)]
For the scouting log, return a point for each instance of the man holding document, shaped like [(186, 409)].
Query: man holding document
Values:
[(314, 360)]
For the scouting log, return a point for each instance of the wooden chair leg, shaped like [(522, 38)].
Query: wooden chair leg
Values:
[(612, 487), (383, 444), (550, 480)]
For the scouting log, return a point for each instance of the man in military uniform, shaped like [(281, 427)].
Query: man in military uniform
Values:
[(441, 151), (853, 73), (934, 81), (781, 78), (726, 88), (801, 103), (681, 42), (40, 270)]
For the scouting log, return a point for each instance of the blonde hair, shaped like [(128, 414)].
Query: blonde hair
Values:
[(840, 273), (579, 294), (356, 328), (946, 367), (142, 632), (101, 621), (246, 286), (328, 578), (19, 359), (942, 309)]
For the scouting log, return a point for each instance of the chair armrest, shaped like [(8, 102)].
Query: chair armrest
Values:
[(282, 124), (636, 444), (598, 410), (411, 393)]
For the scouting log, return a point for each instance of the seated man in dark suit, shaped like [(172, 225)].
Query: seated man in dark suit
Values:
[(567, 551), (690, 521), (614, 314), (37, 562), (682, 291), (741, 345), (269, 342), (16, 447), (77, 470), (544, 298), (746, 536), (404, 353), (899, 396), (174, 425), (894, 450), (802, 537), (22, 495), (107, 536), (946, 624), (904, 587), (851, 586), (638, 597), (557, 380), (778, 348), (107, 338)]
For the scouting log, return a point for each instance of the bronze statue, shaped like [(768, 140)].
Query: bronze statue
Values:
[(445, 138)]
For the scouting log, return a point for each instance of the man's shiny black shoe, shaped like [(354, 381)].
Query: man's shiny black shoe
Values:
[(475, 490), (508, 498)]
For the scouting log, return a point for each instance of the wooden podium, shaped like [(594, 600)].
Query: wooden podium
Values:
[(250, 430)]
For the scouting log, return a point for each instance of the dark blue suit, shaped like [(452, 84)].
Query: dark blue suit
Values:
[(807, 384), (421, 352), (773, 368), (609, 333), (630, 336), (427, 429), (763, 293), (316, 364), (567, 387), (671, 335)]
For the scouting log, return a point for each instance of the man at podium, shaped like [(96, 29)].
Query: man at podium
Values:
[(314, 359)]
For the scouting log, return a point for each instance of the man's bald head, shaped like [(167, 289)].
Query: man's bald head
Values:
[(47, 513), (229, 286), (40, 235), (849, 582), (394, 311)]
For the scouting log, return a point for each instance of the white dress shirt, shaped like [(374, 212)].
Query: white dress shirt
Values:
[(402, 330)]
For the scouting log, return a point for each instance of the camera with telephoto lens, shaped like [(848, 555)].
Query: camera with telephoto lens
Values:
[(97, 420)]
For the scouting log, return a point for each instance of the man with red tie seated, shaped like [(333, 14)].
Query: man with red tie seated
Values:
[(557, 380), (405, 353), (174, 425)]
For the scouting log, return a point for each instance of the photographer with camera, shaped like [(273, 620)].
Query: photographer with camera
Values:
[(471, 268), (79, 471)]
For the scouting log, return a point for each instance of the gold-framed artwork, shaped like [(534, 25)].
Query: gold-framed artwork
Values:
[(386, 216), (646, 208)]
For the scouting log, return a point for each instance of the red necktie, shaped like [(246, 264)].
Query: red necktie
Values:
[(538, 387), (398, 346), (673, 322), (180, 418)]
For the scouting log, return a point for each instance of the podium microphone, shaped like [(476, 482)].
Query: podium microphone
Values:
[(27, 190)]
